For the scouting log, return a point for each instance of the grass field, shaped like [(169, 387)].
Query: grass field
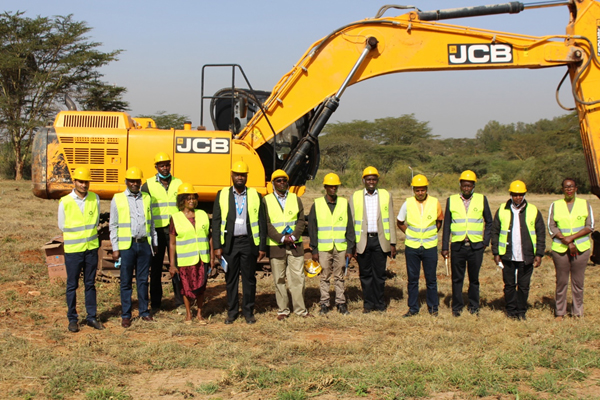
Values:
[(374, 356)]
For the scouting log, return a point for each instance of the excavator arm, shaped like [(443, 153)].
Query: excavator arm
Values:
[(416, 42)]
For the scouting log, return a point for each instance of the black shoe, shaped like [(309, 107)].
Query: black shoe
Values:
[(94, 323), (249, 320), (73, 326), (474, 311), (366, 310), (343, 309), (229, 320), (456, 313), (410, 314), (433, 313), (324, 309), (522, 317)]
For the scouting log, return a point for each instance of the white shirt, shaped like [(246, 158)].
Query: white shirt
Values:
[(517, 249), (371, 209)]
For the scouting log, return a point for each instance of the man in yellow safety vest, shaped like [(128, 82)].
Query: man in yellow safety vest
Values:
[(239, 236), (133, 240), (162, 189), (518, 244), (420, 218), (285, 224), (78, 217), (467, 225), (331, 231), (372, 209)]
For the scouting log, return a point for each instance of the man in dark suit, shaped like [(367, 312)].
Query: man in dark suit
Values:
[(239, 236)]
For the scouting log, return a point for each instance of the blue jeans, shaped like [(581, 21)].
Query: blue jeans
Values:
[(414, 258), (86, 261), (138, 257)]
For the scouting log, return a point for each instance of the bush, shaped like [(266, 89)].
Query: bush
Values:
[(7, 162)]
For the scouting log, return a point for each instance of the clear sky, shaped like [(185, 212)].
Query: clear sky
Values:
[(166, 43)]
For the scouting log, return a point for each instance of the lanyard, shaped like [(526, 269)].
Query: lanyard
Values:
[(239, 209)]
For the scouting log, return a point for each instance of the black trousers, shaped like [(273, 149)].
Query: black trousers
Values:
[(86, 261), (371, 265), (240, 261), (156, 270), (516, 290), (466, 260)]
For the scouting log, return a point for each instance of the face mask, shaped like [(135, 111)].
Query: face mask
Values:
[(164, 176)]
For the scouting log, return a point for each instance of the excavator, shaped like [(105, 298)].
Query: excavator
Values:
[(280, 129)]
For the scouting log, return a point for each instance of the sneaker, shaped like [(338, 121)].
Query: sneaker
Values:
[(324, 309), (343, 309)]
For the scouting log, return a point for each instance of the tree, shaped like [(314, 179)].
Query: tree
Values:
[(41, 60), (99, 96), (167, 121), (402, 130)]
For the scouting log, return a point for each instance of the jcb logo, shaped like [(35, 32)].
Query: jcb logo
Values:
[(202, 145), (479, 54)]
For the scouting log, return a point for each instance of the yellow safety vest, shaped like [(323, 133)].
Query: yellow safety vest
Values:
[(164, 204), (506, 216), (191, 244), (80, 233), (421, 228), (571, 223), (253, 208), (384, 202), (124, 227), (331, 227), (282, 218), (466, 224)]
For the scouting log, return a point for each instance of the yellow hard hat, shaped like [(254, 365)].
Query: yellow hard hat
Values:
[(134, 173), (186, 188), (82, 174), (517, 187), (279, 174), (419, 180), (370, 171), (240, 167), (331, 179), (312, 268), (162, 156), (468, 175)]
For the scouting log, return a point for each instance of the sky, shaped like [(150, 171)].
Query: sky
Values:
[(166, 43)]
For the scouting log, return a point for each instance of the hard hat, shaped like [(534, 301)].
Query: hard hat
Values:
[(331, 179), (419, 180), (468, 175), (370, 171), (240, 167), (82, 174), (186, 188), (279, 174), (312, 268), (160, 157), (517, 187), (134, 173)]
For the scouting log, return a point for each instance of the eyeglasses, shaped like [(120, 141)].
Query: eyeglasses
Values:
[(569, 187), (280, 180)]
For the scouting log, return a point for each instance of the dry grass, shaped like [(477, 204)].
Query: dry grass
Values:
[(359, 356)]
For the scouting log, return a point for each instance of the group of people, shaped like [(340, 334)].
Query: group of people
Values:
[(162, 216)]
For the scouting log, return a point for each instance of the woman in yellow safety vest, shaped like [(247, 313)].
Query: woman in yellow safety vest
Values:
[(570, 222), (190, 249)]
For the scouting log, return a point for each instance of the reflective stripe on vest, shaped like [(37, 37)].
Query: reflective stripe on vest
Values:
[(164, 204), (506, 216), (358, 200), (192, 244), (421, 228), (124, 222), (570, 224), (331, 227), (282, 218), (253, 208), (79, 232), (466, 223)]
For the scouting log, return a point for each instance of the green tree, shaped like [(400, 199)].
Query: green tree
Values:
[(100, 96), (41, 60), (402, 130), (167, 121), (493, 134)]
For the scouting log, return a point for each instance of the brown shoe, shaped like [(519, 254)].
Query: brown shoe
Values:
[(558, 318), (281, 317), (148, 318), (307, 315), (126, 322)]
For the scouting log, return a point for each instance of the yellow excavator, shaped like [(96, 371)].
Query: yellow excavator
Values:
[(281, 129)]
